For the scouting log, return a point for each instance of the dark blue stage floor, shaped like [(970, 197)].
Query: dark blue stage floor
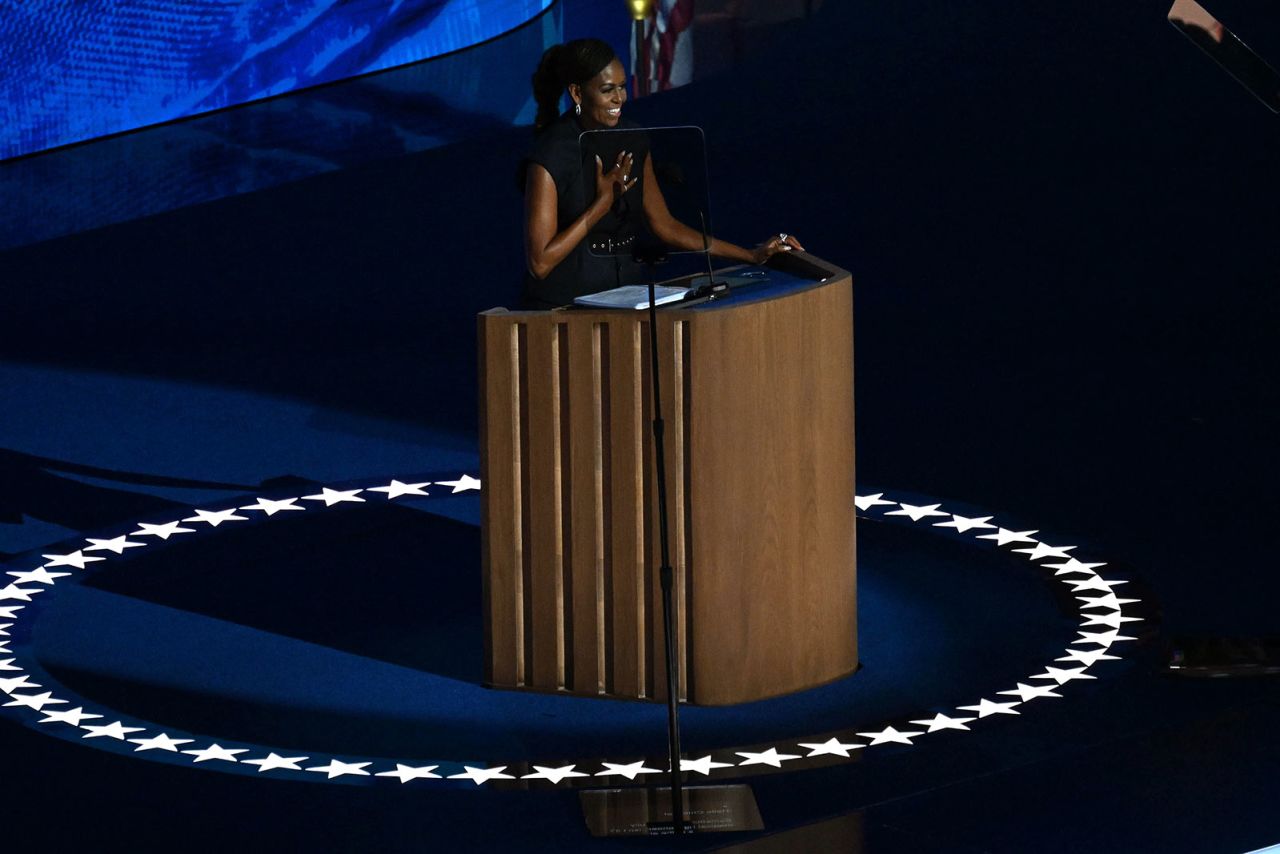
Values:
[(1062, 229)]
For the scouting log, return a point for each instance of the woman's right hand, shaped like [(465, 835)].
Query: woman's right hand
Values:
[(612, 184)]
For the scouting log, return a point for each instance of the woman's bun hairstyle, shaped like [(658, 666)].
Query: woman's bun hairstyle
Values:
[(562, 64)]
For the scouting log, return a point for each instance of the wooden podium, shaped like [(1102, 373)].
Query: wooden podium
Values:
[(758, 403)]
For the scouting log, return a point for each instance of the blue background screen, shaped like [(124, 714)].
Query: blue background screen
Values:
[(75, 71)]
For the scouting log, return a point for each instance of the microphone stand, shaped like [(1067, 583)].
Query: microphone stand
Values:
[(734, 806), (651, 256)]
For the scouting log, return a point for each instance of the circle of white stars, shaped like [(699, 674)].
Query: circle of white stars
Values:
[(1101, 612)]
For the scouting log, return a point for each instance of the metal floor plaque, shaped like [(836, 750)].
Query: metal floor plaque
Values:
[(647, 812)]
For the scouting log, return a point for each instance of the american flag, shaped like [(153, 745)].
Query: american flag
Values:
[(669, 40)]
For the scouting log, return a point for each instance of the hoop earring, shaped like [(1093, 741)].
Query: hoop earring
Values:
[(577, 109)]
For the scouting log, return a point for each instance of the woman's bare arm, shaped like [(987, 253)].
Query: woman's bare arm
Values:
[(674, 233), (544, 248)]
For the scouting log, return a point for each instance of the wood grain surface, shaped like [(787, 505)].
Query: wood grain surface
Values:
[(757, 398)]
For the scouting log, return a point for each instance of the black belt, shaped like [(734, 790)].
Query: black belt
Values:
[(609, 245)]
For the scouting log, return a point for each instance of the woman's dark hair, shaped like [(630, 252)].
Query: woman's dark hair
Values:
[(561, 64)]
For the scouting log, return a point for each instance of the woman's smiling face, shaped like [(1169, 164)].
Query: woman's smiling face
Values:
[(602, 97)]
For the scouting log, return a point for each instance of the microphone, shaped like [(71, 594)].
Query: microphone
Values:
[(673, 174), (712, 289)]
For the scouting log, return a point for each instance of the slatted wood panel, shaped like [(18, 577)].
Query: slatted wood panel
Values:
[(758, 403), (569, 574), (501, 513), (585, 517)]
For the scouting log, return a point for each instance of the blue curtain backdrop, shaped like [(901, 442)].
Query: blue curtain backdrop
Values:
[(74, 71)]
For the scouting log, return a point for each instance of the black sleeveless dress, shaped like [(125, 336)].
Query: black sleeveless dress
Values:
[(603, 260)]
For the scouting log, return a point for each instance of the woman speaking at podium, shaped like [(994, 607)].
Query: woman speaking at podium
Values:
[(578, 233)]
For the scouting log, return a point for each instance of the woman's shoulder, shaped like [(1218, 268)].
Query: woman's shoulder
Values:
[(555, 136), (555, 149)]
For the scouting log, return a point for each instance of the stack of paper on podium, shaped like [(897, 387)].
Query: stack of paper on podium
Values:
[(633, 297)]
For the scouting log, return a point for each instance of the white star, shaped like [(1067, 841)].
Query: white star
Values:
[(941, 721), (116, 544), (866, 502), (890, 735), (37, 576), (164, 532), (15, 592), (1004, 536), (115, 730), (1063, 675), (1025, 692), (462, 484), (1075, 566), (482, 775), (76, 559), (216, 517), (629, 771), (917, 512), (986, 707), (769, 757), (702, 766), (8, 686), (4, 647), (555, 775), (1114, 619), (1093, 582), (4, 627), (1109, 601), (8, 664), (1102, 639), (1043, 550), (271, 508), (75, 717), (34, 701), (275, 761), (216, 751), (964, 523), (10, 612), (395, 489), (331, 497), (158, 742), (338, 769), (1087, 657), (409, 772), (832, 747)]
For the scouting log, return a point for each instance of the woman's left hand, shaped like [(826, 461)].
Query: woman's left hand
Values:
[(778, 243)]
